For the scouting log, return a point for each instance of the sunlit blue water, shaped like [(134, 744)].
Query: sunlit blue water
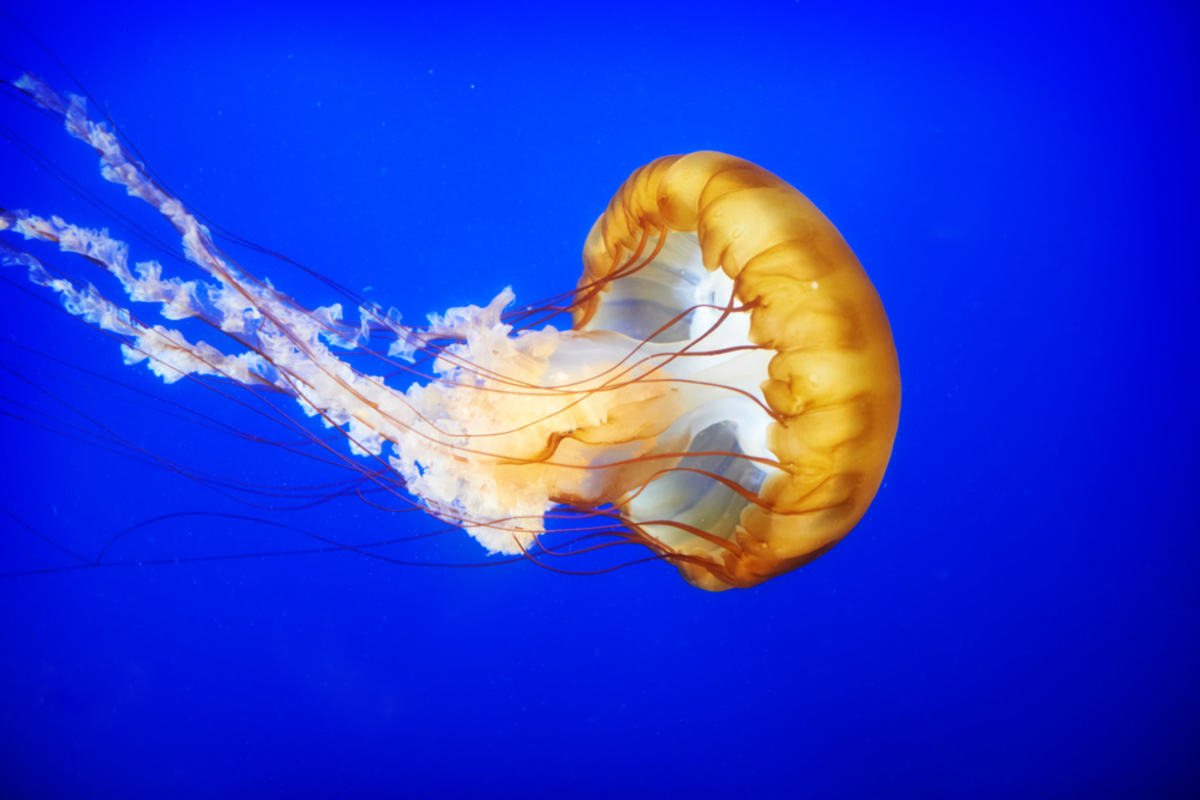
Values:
[(1016, 616)]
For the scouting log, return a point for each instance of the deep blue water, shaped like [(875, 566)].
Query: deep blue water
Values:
[(1016, 616)]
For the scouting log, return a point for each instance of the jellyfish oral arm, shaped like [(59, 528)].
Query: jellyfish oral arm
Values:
[(487, 413)]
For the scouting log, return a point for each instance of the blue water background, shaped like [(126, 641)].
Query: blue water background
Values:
[(1016, 616)]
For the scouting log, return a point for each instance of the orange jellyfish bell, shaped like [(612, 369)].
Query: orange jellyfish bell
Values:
[(818, 354)]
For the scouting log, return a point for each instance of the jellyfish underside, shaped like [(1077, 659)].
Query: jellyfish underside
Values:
[(729, 386)]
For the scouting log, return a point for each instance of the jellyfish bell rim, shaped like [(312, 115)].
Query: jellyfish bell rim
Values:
[(833, 383)]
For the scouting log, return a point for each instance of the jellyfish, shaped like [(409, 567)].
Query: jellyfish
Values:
[(728, 390)]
